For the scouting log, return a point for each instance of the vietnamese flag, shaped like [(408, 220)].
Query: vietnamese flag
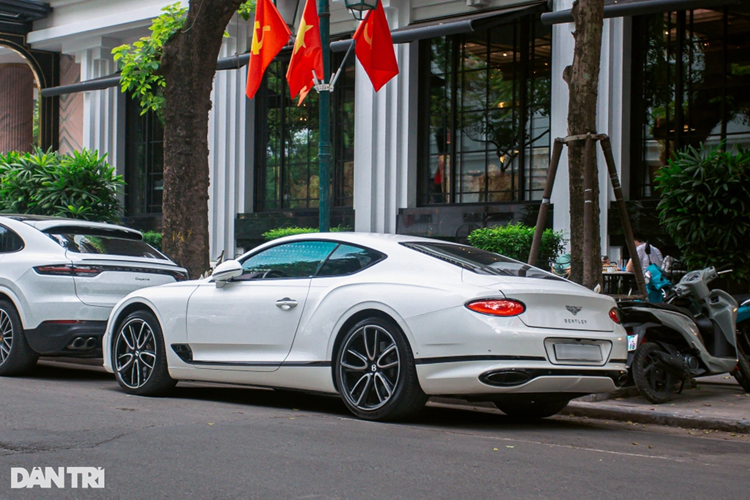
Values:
[(375, 48), (307, 55), (270, 35)]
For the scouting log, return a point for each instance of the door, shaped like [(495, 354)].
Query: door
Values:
[(250, 322)]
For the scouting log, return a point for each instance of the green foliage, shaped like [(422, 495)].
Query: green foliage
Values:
[(289, 231), (705, 199), (514, 241), (153, 238), (81, 186), (140, 62)]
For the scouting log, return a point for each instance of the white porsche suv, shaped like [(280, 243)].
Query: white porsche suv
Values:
[(59, 280)]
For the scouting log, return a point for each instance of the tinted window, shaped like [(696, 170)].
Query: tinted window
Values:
[(300, 259), (104, 245), (9, 241), (348, 259), (479, 261)]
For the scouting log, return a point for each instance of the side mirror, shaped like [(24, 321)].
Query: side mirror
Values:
[(225, 272)]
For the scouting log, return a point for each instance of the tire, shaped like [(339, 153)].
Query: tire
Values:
[(742, 373), (16, 357), (139, 358), (653, 383), (530, 408), (375, 372)]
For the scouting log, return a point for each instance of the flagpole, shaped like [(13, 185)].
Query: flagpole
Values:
[(324, 120)]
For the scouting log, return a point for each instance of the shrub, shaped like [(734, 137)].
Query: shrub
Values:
[(514, 241), (289, 231), (153, 238), (81, 186), (705, 199)]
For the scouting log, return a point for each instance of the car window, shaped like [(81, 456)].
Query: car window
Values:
[(85, 240), (480, 261), (9, 241), (347, 259), (299, 259)]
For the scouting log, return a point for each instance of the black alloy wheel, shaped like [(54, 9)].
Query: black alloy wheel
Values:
[(16, 357), (375, 372), (138, 356)]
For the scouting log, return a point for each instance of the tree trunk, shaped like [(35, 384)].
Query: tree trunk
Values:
[(583, 80), (188, 66)]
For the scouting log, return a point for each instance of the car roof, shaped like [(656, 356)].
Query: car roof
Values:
[(377, 241), (43, 223)]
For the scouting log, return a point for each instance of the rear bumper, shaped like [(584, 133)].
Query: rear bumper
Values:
[(480, 378), (55, 338)]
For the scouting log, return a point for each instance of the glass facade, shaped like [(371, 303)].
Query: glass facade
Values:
[(286, 141), (485, 114), (144, 161), (691, 86)]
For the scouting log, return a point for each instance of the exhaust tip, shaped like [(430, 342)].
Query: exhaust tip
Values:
[(506, 378), (78, 343), (90, 343)]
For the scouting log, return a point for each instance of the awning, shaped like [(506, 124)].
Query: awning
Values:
[(418, 31), (16, 16), (625, 8)]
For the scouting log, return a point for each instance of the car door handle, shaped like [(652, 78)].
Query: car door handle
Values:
[(286, 303)]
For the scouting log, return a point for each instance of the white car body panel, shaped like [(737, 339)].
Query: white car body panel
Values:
[(44, 298), (425, 296)]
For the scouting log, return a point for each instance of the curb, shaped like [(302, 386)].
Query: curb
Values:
[(600, 412)]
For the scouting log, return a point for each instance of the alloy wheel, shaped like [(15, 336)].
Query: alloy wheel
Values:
[(135, 353), (369, 368), (6, 336)]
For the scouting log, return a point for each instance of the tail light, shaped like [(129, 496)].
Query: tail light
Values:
[(180, 276), (69, 270), (497, 307), (614, 314)]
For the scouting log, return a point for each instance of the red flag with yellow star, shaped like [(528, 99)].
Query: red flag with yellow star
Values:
[(375, 48), (307, 55), (270, 35)]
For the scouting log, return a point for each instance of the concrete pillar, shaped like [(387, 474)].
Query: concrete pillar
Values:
[(385, 131), (16, 107)]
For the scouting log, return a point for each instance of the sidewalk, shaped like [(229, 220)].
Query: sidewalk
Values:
[(717, 403)]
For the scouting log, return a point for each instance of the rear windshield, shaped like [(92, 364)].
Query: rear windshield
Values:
[(480, 261), (103, 242)]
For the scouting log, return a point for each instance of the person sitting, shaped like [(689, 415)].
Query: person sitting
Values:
[(647, 254)]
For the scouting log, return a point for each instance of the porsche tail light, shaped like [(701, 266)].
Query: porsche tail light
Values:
[(497, 307), (614, 314), (180, 276), (68, 270)]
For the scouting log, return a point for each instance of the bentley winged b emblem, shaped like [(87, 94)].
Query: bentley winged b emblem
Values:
[(573, 309)]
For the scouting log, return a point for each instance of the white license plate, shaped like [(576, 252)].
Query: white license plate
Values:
[(578, 352), (632, 342)]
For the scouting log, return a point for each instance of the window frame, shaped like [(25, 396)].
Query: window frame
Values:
[(524, 36), (134, 171)]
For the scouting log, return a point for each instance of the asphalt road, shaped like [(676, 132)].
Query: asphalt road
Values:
[(210, 441)]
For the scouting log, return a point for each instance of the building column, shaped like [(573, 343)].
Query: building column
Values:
[(103, 110), (613, 117), (227, 159), (385, 131)]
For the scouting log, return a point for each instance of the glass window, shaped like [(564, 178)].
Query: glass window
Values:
[(9, 241), (103, 242), (287, 141), (300, 259), (479, 261), (691, 82), (485, 129), (144, 160), (347, 259)]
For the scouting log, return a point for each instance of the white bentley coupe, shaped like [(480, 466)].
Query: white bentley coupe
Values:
[(385, 321)]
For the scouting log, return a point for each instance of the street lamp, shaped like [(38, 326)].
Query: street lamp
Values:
[(358, 8)]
